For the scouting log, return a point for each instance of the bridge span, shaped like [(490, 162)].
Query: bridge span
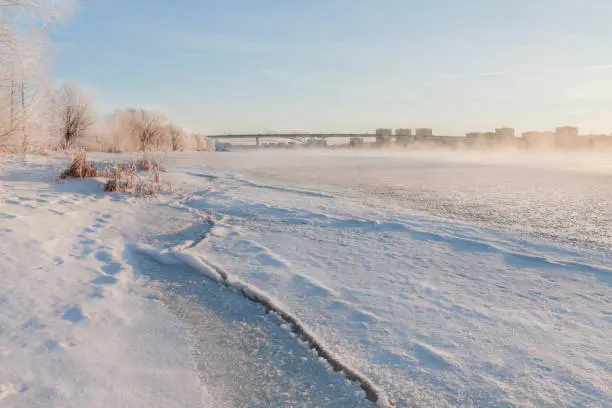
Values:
[(298, 137)]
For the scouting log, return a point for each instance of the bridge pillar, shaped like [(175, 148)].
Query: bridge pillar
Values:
[(257, 141)]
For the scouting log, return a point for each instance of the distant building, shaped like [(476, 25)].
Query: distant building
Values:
[(538, 140), (403, 136), (403, 132), (567, 131), (383, 136), (423, 133), (492, 139), (566, 136), (599, 141), (501, 136), (504, 133), (474, 138)]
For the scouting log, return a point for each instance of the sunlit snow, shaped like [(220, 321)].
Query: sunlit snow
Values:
[(444, 281)]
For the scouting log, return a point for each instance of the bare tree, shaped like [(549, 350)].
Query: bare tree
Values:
[(24, 52), (178, 137), (142, 130), (147, 127), (162, 139), (201, 143), (75, 114)]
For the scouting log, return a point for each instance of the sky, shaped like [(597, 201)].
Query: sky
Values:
[(238, 66)]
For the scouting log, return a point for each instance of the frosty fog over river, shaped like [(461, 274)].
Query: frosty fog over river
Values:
[(445, 279)]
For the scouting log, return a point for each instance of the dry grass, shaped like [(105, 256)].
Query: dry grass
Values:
[(150, 163), (141, 177), (80, 167), (128, 177), (117, 181), (113, 186)]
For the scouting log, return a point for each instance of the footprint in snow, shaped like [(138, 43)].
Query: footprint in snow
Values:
[(85, 253), (104, 280), (74, 314), (111, 268), (104, 256)]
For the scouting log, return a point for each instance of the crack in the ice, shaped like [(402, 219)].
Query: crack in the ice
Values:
[(216, 274), (373, 393), (204, 236)]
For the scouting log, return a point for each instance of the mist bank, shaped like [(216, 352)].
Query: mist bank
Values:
[(589, 161)]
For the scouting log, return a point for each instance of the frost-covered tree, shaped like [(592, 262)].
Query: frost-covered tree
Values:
[(178, 137), (75, 114), (145, 127), (24, 53), (201, 143)]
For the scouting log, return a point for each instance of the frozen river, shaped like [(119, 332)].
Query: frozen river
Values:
[(447, 281)]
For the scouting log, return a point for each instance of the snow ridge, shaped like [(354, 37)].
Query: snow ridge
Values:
[(176, 255)]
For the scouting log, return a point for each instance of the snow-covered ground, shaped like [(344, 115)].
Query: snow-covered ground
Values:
[(88, 321), (76, 329), (442, 282)]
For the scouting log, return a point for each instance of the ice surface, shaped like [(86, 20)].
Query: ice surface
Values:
[(469, 304), (443, 281)]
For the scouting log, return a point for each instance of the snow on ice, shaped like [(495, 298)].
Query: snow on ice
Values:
[(439, 282)]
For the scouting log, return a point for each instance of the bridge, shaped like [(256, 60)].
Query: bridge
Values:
[(298, 137)]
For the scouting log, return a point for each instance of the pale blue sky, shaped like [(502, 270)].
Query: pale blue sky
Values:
[(221, 66)]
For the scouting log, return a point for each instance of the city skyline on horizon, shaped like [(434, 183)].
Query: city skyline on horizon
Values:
[(345, 66), (394, 131)]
